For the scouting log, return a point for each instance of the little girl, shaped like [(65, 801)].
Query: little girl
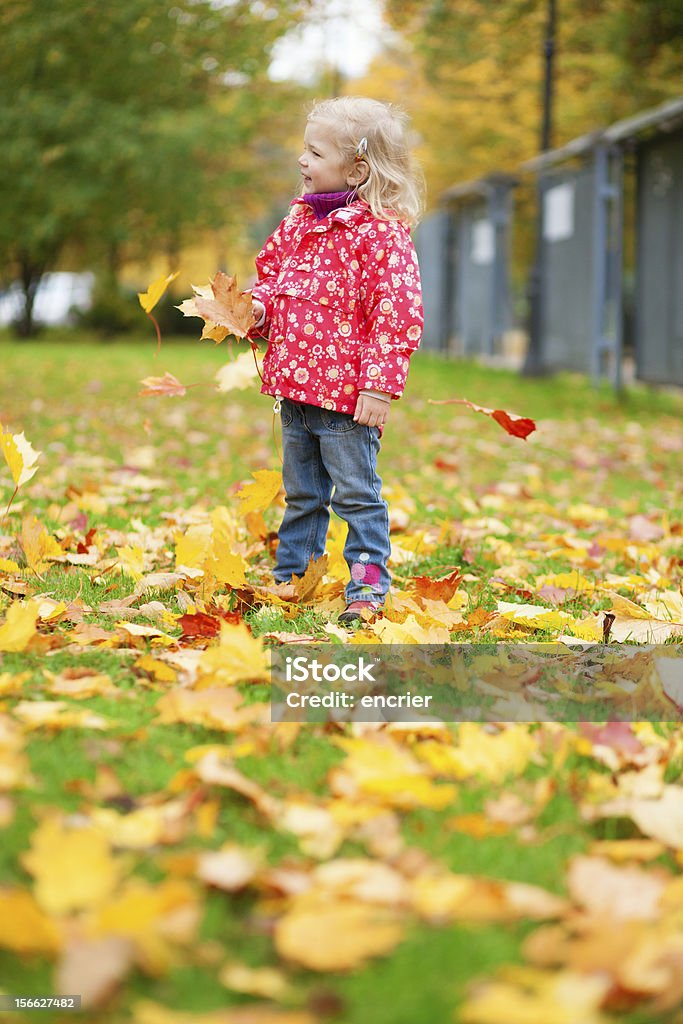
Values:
[(338, 296)]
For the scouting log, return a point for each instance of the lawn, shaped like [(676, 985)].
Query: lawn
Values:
[(173, 857)]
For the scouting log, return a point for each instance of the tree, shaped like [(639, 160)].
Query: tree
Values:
[(471, 71), (126, 123)]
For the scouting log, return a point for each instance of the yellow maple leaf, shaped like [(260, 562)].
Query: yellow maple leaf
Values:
[(268, 982), (24, 928), (142, 827), (156, 289), (56, 714), (239, 657), (153, 917), (73, 868), (228, 567), (14, 764), (262, 492), (491, 756), (19, 626), (336, 935), (391, 774), (147, 1012), (566, 581), (131, 560), (19, 456), (529, 996), (192, 547), (159, 669), (39, 546), (409, 632)]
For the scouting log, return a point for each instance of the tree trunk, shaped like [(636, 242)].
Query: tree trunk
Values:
[(30, 276)]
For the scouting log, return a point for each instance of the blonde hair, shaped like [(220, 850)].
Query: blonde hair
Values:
[(394, 188)]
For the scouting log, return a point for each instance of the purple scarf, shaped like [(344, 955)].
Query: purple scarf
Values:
[(324, 203)]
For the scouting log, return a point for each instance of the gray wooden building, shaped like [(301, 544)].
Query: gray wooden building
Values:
[(582, 259), (463, 249)]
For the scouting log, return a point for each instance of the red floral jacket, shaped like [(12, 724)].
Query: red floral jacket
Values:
[(343, 306)]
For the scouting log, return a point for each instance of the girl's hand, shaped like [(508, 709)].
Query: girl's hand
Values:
[(259, 311), (372, 412)]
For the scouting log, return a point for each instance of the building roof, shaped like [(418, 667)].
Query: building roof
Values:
[(665, 118), (479, 188)]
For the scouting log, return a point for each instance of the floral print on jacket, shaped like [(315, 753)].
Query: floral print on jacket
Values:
[(343, 306)]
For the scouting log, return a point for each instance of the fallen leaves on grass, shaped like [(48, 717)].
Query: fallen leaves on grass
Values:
[(137, 615)]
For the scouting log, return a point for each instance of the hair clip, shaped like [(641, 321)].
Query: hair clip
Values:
[(362, 149)]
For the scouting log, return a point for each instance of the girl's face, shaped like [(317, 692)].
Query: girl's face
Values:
[(321, 164)]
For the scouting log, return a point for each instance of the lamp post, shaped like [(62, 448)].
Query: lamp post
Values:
[(533, 362)]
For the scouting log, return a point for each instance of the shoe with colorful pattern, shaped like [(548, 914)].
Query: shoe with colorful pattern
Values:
[(354, 612)]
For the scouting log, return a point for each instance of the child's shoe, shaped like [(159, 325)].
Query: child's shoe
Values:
[(354, 612)]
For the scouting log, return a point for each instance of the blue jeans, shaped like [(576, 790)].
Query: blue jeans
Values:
[(328, 460)]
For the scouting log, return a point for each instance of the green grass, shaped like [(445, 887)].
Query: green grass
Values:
[(124, 465)]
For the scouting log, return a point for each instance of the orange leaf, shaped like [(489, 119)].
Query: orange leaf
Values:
[(518, 426), (306, 585), (227, 307), (440, 589), (167, 385)]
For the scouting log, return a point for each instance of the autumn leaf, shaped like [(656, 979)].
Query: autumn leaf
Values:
[(518, 426), (224, 306), (336, 935), (19, 626), (230, 868), (57, 715), (156, 289), (238, 374), (262, 492), (167, 386), (219, 771), (147, 1012), (526, 996), (94, 968), (155, 918), (616, 891), (226, 566), (440, 588), (239, 657), (268, 982), (305, 586), (213, 707), (199, 624), (19, 456), (24, 927), (39, 546), (73, 866)]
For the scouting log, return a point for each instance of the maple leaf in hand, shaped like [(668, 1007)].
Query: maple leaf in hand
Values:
[(224, 309), (518, 426)]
